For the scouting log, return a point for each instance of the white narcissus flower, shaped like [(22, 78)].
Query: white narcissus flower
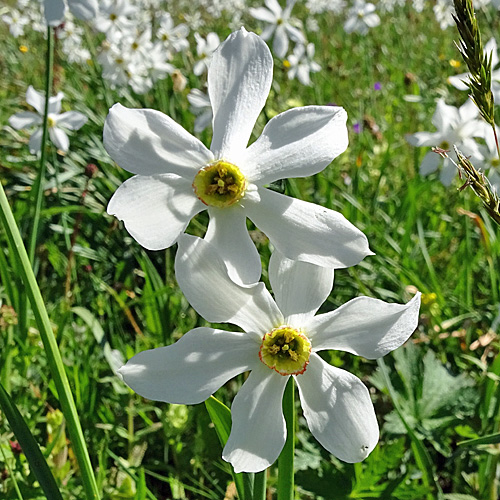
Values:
[(455, 127), (278, 20), (205, 48), (55, 10), (282, 338), (179, 177), (72, 120), (302, 63), (362, 17)]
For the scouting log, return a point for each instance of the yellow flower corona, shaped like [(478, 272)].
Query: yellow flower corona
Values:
[(285, 350), (219, 184)]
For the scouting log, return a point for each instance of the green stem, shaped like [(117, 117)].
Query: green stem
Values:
[(285, 461), (50, 346), (259, 485), (38, 185)]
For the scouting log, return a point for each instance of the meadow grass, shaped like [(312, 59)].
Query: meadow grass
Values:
[(103, 292)]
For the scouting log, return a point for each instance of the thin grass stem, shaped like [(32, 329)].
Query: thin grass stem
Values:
[(38, 185)]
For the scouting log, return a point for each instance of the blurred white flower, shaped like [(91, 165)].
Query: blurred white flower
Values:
[(173, 38), (179, 177), (16, 22), (362, 17), (282, 338), (71, 120), (279, 25), (114, 17), (205, 48), (302, 63), (444, 10), (455, 127), (201, 107)]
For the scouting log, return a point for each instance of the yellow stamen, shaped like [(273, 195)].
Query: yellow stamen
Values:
[(220, 184), (285, 350)]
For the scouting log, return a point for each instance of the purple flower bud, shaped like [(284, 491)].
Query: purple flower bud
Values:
[(357, 128), (377, 86)]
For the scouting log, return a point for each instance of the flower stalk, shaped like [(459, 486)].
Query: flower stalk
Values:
[(285, 460), (479, 63), (38, 185)]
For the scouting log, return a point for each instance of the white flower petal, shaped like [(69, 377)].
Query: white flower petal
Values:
[(54, 11), (55, 103), (227, 231), (24, 119), (59, 138), (458, 81), (203, 278), (444, 116), (299, 288), (262, 14), (420, 139), (192, 369), (364, 326), (280, 42), (83, 9), (239, 79), (448, 172), (35, 99), (430, 163), (308, 232), (258, 431), (148, 142), (156, 210), (297, 143), (72, 120), (338, 410), (35, 143)]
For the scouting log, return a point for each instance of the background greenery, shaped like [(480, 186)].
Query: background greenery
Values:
[(107, 297)]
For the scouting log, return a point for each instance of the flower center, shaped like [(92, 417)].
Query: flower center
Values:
[(445, 145), (50, 121), (219, 184), (285, 350)]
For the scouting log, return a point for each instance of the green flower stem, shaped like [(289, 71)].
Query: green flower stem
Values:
[(259, 485), (30, 448), (285, 461), (50, 346), (38, 185)]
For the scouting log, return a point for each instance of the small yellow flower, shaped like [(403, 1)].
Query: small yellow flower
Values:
[(23, 49), (286, 64), (454, 63)]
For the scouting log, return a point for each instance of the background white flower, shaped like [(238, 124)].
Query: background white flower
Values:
[(72, 120), (455, 126), (279, 25), (302, 63), (336, 404)]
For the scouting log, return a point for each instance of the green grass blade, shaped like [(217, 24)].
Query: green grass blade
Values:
[(30, 447), (221, 418), (491, 439), (50, 347), (285, 460)]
